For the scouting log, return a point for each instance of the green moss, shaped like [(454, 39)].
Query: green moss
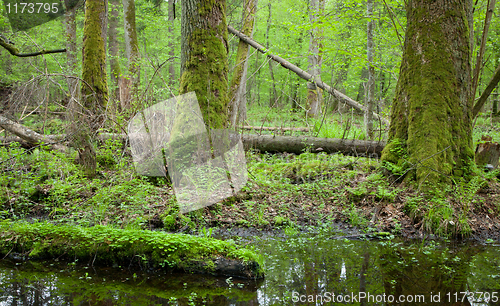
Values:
[(205, 69), (110, 245), (431, 111), (94, 57)]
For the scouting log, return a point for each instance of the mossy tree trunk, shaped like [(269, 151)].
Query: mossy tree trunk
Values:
[(113, 46), (237, 88), (204, 67), (90, 116), (431, 114), (132, 51), (314, 94)]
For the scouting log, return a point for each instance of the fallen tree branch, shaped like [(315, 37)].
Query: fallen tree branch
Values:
[(29, 135), (486, 93), (9, 46), (303, 74)]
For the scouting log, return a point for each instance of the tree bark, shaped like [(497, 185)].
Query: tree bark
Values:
[(132, 51), (480, 54), (314, 94), (87, 117), (113, 47), (302, 74), (71, 57), (237, 88), (431, 125), (171, 53), (29, 135), (273, 97), (486, 93), (204, 65), (300, 144), (370, 86)]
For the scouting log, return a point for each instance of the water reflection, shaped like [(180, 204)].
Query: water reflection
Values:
[(315, 270)]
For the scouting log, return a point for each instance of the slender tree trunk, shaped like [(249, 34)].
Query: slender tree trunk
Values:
[(132, 51), (204, 48), (71, 57), (314, 94), (86, 121), (113, 47), (370, 86), (273, 95), (237, 88), (431, 115), (171, 53)]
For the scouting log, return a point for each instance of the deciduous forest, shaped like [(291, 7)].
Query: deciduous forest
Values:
[(147, 133)]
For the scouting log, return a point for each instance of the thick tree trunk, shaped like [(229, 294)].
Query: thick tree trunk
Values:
[(204, 65), (132, 51), (113, 47), (370, 86), (314, 94), (85, 121), (303, 74), (431, 115), (237, 88)]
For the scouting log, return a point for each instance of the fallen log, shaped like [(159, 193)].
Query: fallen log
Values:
[(29, 135), (303, 74), (273, 128), (277, 144), (300, 144)]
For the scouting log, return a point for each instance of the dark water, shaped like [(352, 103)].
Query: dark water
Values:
[(315, 270)]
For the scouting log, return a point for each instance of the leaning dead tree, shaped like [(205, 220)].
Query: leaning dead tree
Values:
[(303, 74)]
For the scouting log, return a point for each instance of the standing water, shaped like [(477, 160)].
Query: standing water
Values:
[(305, 270)]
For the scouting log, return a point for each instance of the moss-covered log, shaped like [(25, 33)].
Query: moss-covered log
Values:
[(431, 129), (204, 65), (105, 245)]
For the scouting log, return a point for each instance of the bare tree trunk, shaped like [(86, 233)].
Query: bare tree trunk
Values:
[(314, 94), (171, 53), (132, 51), (273, 95), (113, 47), (71, 57), (370, 92), (237, 104)]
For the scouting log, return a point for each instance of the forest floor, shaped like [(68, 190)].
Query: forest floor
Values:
[(285, 193)]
